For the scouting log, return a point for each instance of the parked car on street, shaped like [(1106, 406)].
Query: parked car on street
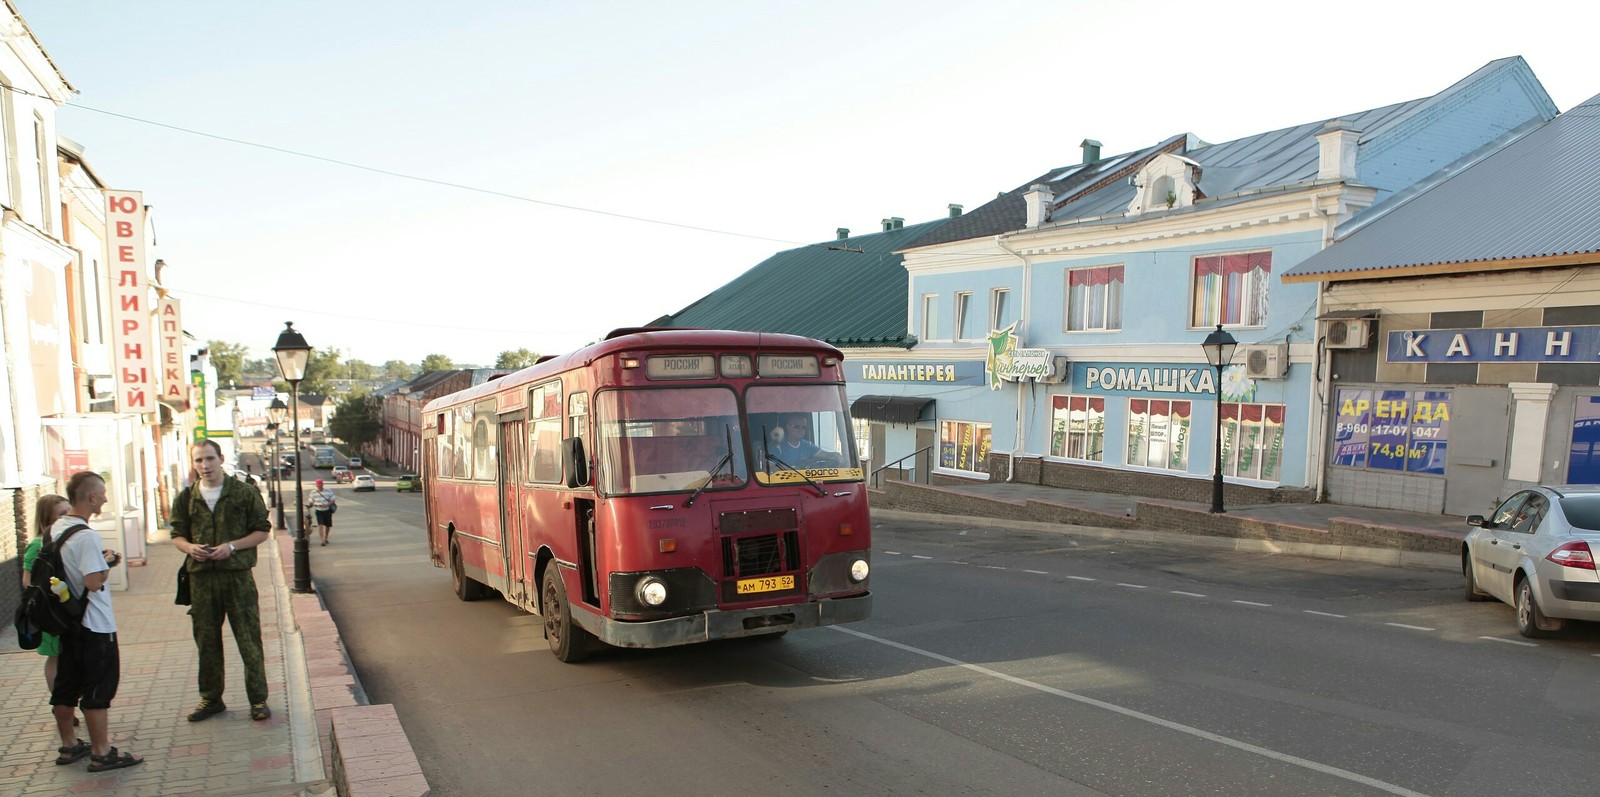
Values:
[(342, 474), (409, 483), (355, 462), (365, 484), (1536, 553)]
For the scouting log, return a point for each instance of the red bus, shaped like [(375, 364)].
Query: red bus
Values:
[(660, 487)]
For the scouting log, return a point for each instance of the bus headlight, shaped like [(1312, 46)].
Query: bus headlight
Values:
[(859, 570), (652, 592)]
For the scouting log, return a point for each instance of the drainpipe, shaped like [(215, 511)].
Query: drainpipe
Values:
[(1322, 373), (1022, 322)]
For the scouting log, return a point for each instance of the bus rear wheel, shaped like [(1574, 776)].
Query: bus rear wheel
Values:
[(466, 589), (568, 642)]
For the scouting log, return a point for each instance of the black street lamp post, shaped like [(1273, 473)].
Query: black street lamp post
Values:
[(1219, 348), (293, 353), (278, 412)]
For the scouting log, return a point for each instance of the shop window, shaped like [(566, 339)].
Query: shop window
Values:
[(1252, 441), (1231, 290), (863, 432), (1583, 464), (1094, 298), (930, 316), (1395, 430), (1078, 427), (964, 445), (1158, 433)]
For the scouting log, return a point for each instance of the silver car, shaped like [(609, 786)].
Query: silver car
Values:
[(1537, 553)]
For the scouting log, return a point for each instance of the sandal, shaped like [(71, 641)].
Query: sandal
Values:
[(113, 760), (72, 754)]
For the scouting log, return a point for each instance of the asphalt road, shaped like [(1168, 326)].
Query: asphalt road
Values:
[(996, 662)]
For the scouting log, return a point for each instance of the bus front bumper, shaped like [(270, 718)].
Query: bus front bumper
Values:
[(717, 624)]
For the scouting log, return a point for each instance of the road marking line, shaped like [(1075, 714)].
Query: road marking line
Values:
[(1140, 715), (1515, 642), (919, 556), (1324, 614), (1132, 586), (1038, 572), (993, 567), (1190, 594), (961, 563), (963, 533), (1253, 603), (1412, 627), (892, 553), (1080, 578)]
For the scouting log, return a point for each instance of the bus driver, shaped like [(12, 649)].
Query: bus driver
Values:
[(795, 445)]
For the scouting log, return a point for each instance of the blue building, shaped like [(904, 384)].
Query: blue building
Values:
[(1058, 327)]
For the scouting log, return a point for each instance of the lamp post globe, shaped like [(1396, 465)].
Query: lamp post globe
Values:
[(293, 354), (1219, 346)]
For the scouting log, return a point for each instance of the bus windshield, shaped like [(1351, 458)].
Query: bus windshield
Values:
[(801, 432), (658, 440)]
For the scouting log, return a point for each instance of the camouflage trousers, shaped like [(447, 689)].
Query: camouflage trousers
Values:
[(227, 594)]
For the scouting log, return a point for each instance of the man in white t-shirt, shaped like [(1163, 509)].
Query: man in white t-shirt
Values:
[(91, 666)]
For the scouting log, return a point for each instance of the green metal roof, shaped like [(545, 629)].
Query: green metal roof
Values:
[(849, 292)]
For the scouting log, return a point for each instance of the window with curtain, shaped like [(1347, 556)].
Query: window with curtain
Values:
[(1094, 298), (1078, 427), (1252, 441), (1231, 289), (1158, 434)]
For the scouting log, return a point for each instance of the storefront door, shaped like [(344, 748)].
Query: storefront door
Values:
[(1476, 464)]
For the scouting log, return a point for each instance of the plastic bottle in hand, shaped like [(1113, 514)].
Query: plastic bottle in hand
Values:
[(59, 587)]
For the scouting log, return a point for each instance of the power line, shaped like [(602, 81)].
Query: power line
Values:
[(409, 322)]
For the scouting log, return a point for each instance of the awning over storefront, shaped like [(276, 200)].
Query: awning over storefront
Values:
[(891, 409)]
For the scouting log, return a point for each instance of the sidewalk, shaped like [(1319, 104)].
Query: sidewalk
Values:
[(226, 755)]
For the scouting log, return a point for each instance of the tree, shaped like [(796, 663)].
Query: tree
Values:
[(228, 359), (360, 370), (515, 358), (437, 362), (265, 368), (321, 369), (397, 369), (358, 420)]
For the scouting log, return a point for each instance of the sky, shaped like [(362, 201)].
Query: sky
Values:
[(406, 178)]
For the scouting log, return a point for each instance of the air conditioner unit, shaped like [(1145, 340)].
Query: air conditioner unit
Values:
[(1347, 333), (1266, 362)]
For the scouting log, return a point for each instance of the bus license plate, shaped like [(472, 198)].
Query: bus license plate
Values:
[(768, 584)]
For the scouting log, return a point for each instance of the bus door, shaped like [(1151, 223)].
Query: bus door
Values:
[(512, 440)]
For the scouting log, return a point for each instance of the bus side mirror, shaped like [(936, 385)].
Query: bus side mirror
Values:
[(574, 463)]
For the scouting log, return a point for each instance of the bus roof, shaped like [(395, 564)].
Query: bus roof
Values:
[(631, 340)]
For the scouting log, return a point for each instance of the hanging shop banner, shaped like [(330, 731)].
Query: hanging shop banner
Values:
[(169, 333), (134, 357), (1007, 361), (1583, 464), (199, 381), (1396, 430), (1577, 344), (953, 372)]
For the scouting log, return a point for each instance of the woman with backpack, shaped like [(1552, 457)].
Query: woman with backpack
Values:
[(46, 512)]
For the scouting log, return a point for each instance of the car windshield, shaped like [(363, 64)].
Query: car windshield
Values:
[(661, 440), (1582, 511), (801, 432)]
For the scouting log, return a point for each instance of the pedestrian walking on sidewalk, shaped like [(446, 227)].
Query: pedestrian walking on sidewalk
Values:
[(46, 512), (91, 666), (323, 504), (218, 522)]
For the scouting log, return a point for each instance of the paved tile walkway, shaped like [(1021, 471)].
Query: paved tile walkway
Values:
[(225, 755)]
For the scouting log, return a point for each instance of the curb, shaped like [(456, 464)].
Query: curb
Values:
[(364, 748), (1393, 557)]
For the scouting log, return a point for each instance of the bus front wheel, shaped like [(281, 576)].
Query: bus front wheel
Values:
[(567, 641), (466, 589)]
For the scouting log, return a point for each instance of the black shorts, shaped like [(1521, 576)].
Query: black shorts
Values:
[(324, 517), (89, 672)]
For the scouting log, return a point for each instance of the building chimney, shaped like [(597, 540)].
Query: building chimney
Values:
[(1336, 155), (955, 210), (1038, 198), (1091, 151), (841, 233)]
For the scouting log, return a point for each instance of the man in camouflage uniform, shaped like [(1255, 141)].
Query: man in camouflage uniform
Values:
[(218, 522)]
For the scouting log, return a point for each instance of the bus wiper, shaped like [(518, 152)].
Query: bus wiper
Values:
[(821, 491), (727, 458)]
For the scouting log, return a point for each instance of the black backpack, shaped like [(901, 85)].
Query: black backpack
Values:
[(41, 607)]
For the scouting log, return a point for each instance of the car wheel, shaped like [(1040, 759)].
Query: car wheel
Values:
[(1472, 593), (568, 641), (1531, 620), (465, 588)]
